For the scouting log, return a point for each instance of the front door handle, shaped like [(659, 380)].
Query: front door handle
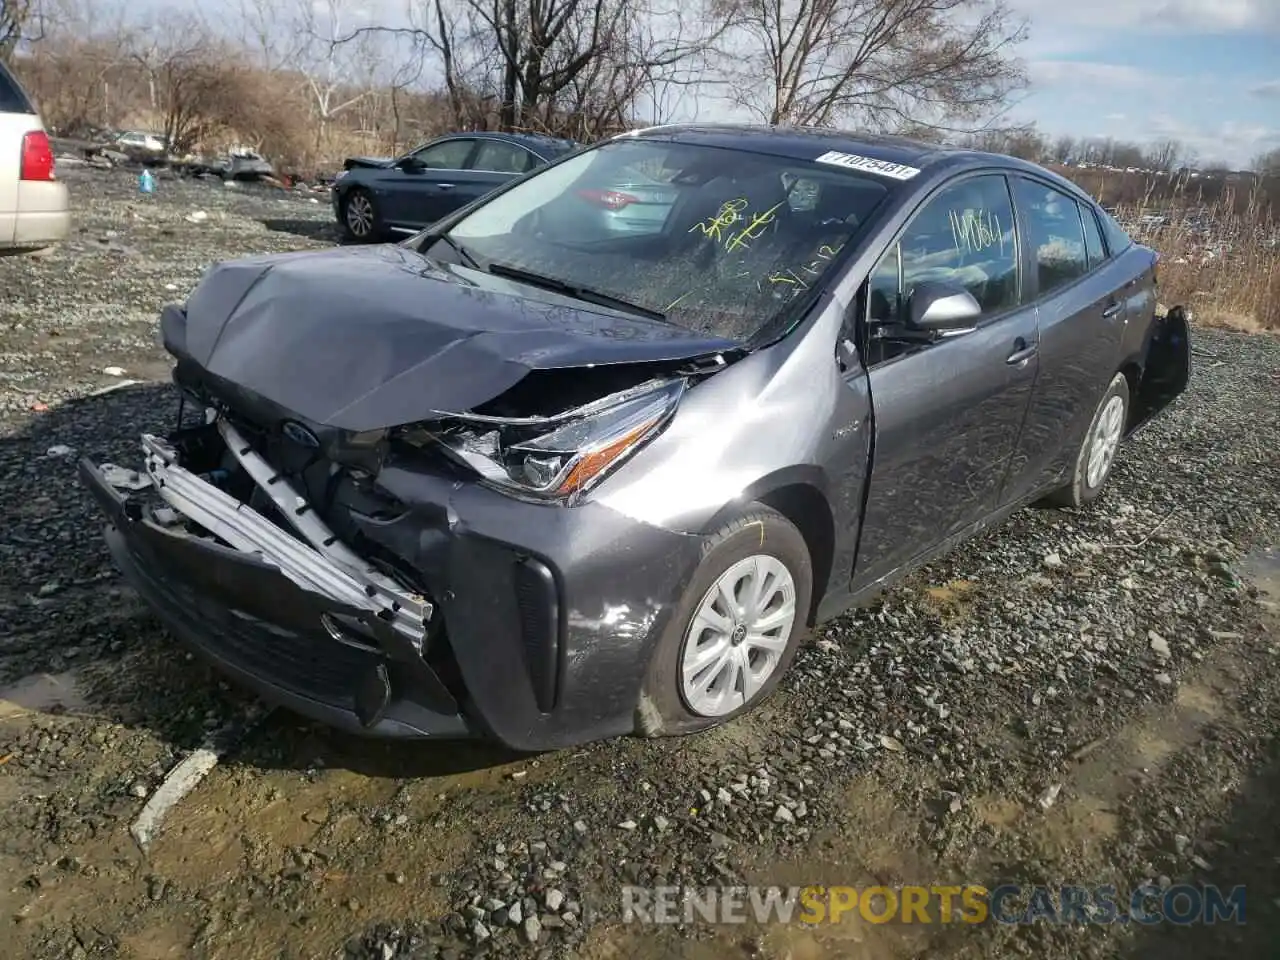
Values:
[(1022, 352), (1111, 310), (445, 186)]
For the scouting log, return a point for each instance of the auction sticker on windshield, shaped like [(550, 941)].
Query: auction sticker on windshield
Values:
[(898, 171)]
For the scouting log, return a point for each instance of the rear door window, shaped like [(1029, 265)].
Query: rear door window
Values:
[(12, 97), (495, 156), (1055, 234)]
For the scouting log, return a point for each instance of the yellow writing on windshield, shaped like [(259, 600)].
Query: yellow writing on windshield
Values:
[(789, 277), (740, 241), (976, 230), (825, 253), (730, 212), (814, 268)]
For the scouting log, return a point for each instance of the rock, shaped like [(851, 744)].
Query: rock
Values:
[(891, 743), (1050, 796), (114, 371), (480, 932), (661, 823), (1159, 645), (783, 815), (515, 913), (627, 825), (554, 898), (1052, 560), (60, 450), (532, 929), (1164, 679)]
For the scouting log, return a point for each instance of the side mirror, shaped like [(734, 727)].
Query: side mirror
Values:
[(411, 165), (942, 307)]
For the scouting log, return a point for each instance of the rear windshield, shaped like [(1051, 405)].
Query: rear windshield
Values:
[(718, 241), (12, 98)]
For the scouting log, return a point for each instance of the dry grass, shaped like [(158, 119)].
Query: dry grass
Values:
[(1220, 257)]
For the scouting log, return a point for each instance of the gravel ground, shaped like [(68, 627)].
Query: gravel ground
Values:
[(1084, 696)]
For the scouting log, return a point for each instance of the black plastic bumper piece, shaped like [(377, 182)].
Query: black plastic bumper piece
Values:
[(267, 633)]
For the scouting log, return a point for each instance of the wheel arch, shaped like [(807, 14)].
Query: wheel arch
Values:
[(800, 494)]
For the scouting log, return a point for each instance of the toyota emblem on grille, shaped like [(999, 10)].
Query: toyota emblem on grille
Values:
[(299, 434)]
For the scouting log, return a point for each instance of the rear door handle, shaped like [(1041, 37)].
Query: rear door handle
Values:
[(1022, 352), (445, 186), (1112, 310)]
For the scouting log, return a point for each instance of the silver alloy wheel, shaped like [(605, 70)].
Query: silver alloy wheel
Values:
[(737, 636), (359, 215), (1106, 438)]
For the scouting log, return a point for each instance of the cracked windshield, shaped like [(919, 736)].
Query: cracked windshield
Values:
[(716, 241)]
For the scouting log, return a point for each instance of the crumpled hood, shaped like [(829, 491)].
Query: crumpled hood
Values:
[(369, 337)]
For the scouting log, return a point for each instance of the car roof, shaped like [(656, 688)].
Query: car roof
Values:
[(808, 143), (537, 142)]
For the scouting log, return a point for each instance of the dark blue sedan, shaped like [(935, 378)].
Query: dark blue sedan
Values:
[(377, 196)]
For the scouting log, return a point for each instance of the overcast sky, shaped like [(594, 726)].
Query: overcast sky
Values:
[(1206, 72)]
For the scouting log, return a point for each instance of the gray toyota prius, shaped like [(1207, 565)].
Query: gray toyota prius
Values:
[(533, 477)]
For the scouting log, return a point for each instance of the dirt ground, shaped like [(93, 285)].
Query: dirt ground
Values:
[(1081, 697)]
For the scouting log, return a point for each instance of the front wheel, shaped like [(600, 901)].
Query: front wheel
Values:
[(360, 217), (1097, 451), (736, 629)]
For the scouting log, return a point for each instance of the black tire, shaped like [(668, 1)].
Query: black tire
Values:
[(367, 228), (1079, 490), (760, 530)]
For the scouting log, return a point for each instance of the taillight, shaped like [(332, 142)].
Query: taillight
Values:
[(37, 157), (609, 199)]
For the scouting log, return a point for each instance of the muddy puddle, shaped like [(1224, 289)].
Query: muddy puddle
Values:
[(43, 693), (1262, 569)]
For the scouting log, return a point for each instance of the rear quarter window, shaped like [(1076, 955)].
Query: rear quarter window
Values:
[(12, 97), (1115, 235)]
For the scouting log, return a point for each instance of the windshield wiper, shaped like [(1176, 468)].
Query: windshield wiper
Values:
[(460, 250), (569, 289)]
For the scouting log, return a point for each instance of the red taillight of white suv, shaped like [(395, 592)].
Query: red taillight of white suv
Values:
[(37, 157)]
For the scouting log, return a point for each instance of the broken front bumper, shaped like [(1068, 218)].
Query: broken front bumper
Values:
[(290, 637), (537, 632)]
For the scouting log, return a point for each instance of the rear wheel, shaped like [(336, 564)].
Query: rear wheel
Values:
[(736, 629), (360, 221), (1097, 452)]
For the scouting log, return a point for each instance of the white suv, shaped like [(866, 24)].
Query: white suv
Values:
[(34, 209)]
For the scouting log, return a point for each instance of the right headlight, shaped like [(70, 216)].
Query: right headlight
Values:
[(559, 458)]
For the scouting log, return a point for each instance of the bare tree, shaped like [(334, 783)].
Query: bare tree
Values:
[(1020, 140), (1163, 156), (19, 20), (330, 55), (1268, 163), (564, 66), (884, 63), (196, 85)]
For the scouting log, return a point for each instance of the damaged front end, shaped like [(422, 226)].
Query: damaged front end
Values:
[(234, 557), (384, 519), (554, 457), (321, 566)]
